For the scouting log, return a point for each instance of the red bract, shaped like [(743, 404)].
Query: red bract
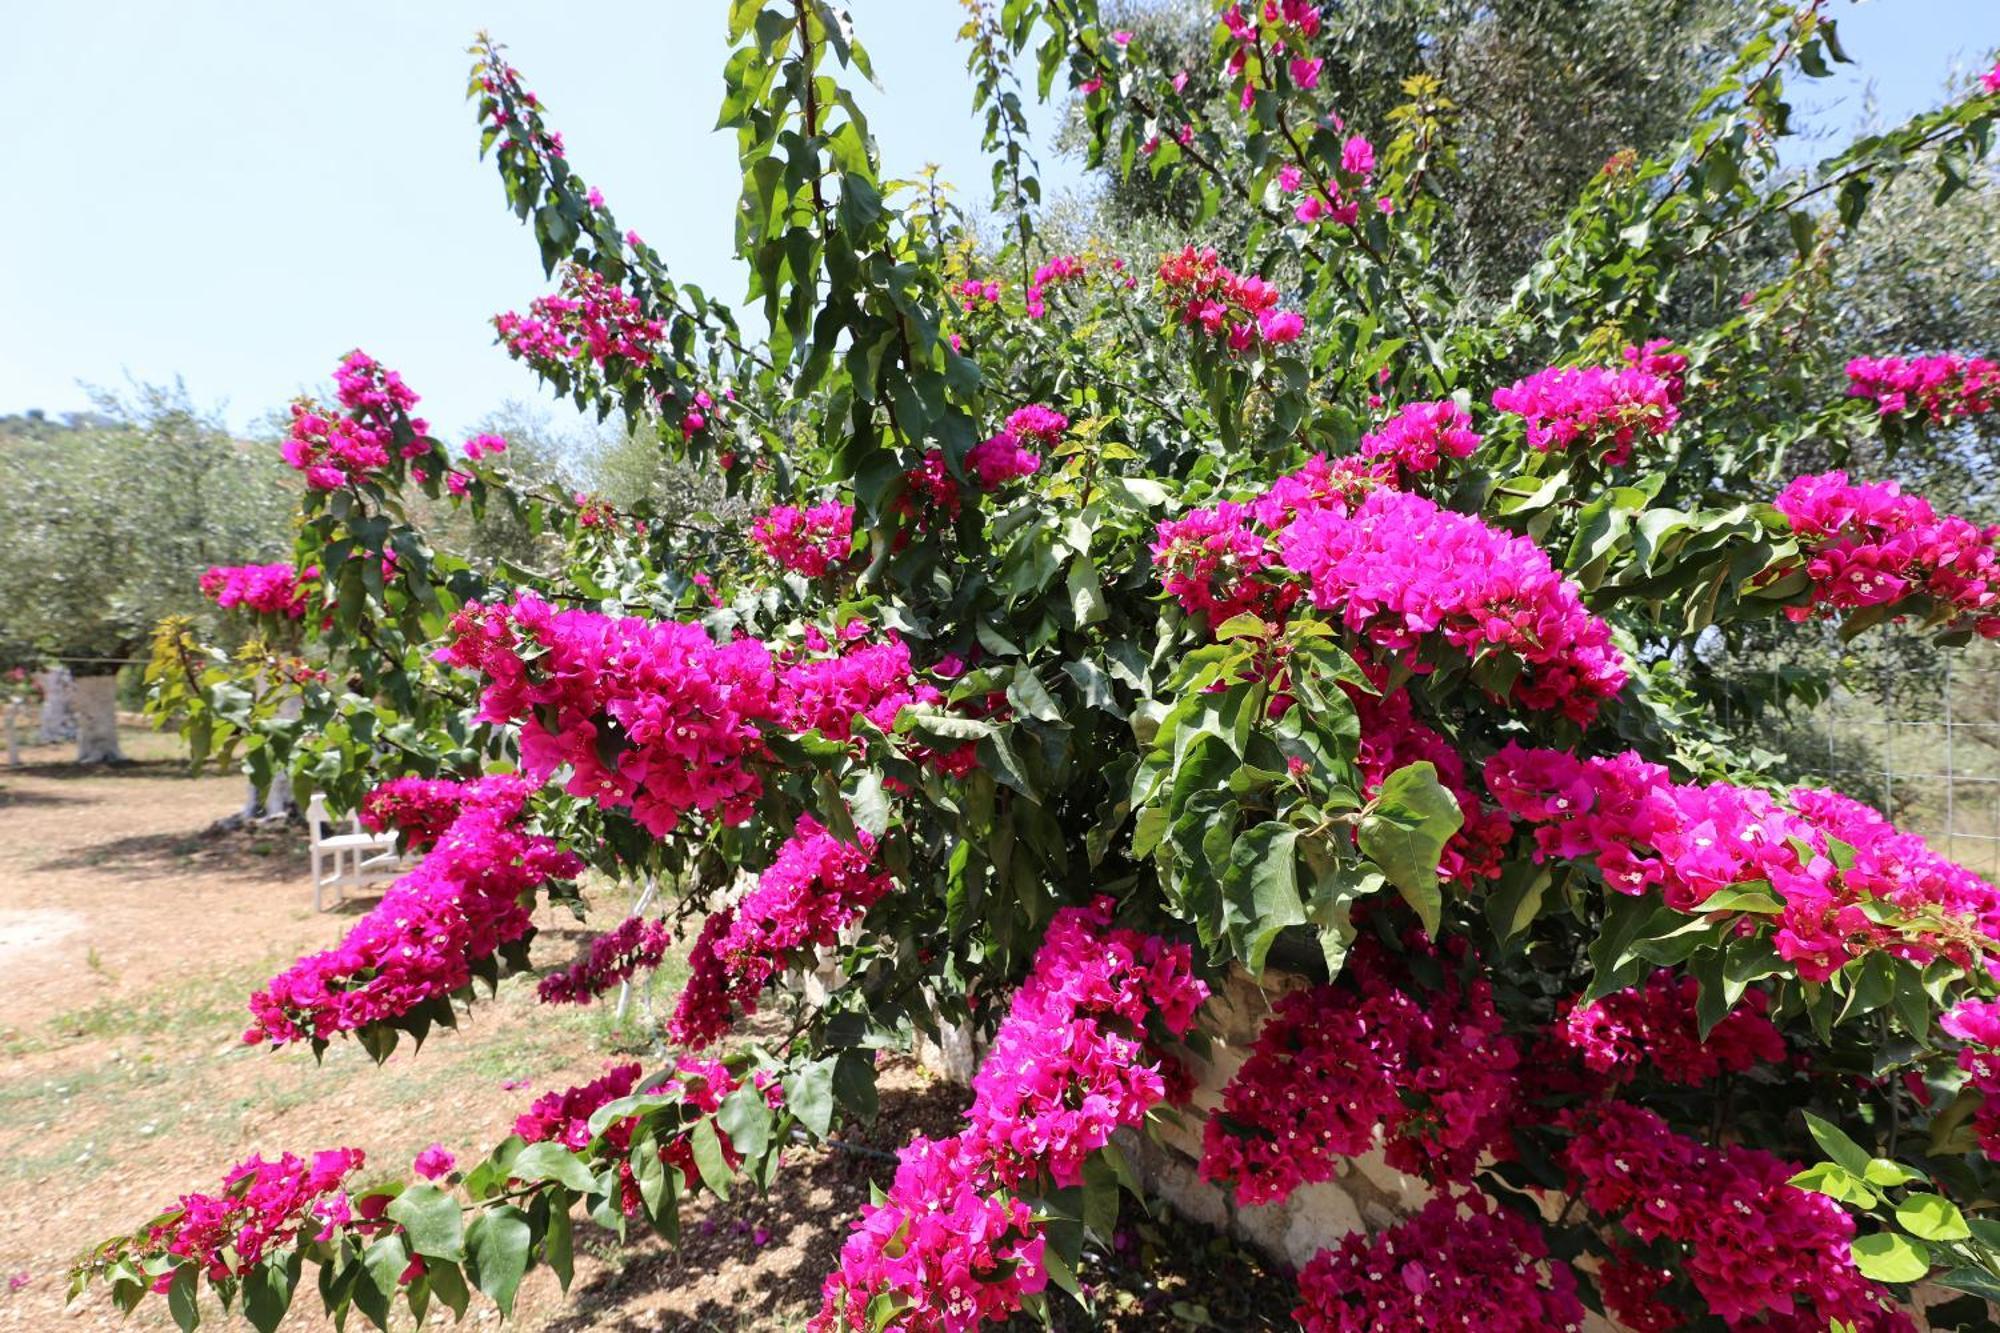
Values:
[(651, 716), (1868, 544), (1399, 571), (1239, 309), (420, 809), (831, 694), (1480, 1271), (1209, 559), (269, 590), (1391, 738), (588, 320), (813, 890), (632, 945), (1591, 406), (1642, 830), (1977, 1024), (1421, 435), (813, 542), (419, 944), (957, 1253), (1940, 387), (263, 1206), (334, 450), (1654, 1027), (1336, 1065), (1755, 1245), (1070, 1064)]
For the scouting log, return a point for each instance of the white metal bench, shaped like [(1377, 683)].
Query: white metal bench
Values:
[(353, 859)]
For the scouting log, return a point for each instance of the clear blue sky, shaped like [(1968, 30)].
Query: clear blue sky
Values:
[(237, 194)]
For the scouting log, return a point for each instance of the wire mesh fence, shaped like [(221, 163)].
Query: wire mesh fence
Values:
[(1923, 746)]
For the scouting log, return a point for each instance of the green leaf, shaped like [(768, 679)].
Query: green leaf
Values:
[(1888, 1257), (1932, 1217), (1882, 1171), (448, 1286), (1838, 1146), (809, 1096), (1263, 885), (497, 1245), (182, 1302), (267, 1292), (382, 1265), (1404, 832), (708, 1158), (549, 1160), (854, 1084), (1835, 1182), (746, 1118), (432, 1220)]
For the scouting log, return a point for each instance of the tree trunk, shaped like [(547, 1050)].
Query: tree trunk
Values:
[(97, 720), (58, 706)]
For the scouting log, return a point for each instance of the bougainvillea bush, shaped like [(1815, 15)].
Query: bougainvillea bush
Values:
[(1113, 627)]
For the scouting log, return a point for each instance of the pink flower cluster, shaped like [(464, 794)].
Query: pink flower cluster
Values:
[(816, 887), (1073, 1062), (334, 450), (1654, 1027), (420, 809), (588, 319), (418, 945), (1977, 1024), (1868, 544), (812, 542), (655, 716), (634, 944), (1334, 1065), (1400, 570), (1241, 309), (1756, 1247), (651, 716), (995, 462), (564, 1117), (1271, 30), (1568, 406), (485, 446), (1482, 1270), (1669, 367), (1421, 435), (1692, 841), (267, 590), (1059, 271), (930, 483), (1331, 201), (262, 1207), (830, 694), (1392, 738), (1941, 387), (1209, 559), (976, 293), (955, 1253)]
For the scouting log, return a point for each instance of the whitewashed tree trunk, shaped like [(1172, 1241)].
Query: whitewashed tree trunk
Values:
[(58, 706), (97, 720), (14, 733), (276, 803)]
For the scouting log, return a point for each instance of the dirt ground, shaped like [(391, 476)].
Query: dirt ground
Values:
[(128, 940)]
